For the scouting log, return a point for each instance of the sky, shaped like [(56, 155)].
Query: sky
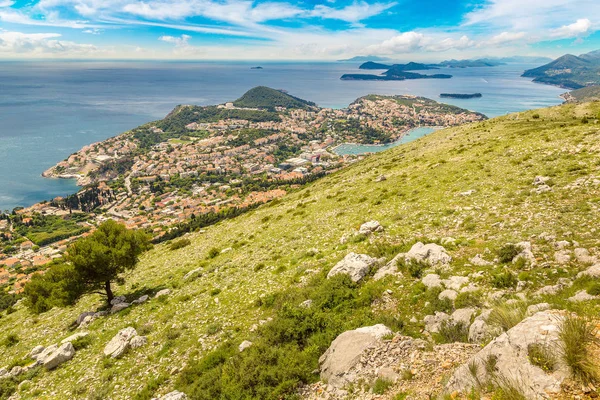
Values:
[(419, 30)]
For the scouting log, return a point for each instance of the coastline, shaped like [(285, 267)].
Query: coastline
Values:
[(393, 144)]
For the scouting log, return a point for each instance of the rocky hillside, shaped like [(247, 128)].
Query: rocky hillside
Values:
[(485, 241)]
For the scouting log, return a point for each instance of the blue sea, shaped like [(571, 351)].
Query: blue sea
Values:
[(49, 110)]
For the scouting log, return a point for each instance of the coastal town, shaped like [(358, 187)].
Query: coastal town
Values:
[(188, 165)]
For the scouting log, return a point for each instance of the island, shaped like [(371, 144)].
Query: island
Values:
[(569, 71), (256, 67), (460, 95), (395, 76)]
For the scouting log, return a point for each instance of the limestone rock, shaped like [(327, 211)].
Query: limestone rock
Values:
[(430, 253), (141, 300), (164, 292), (510, 354), (540, 180), (463, 316), (35, 351), (83, 315), (138, 341), (193, 274), (583, 256), (562, 257), (306, 303), (16, 371), (345, 351), (593, 271), (3, 372), (535, 308), (174, 396), (63, 354), (355, 265), (244, 345), (118, 307), (455, 282), (582, 295), (370, 227), (432, 281), (391, 268), (119, 344), (525, 253), (448, 294), (117, 300), (74, 337), (433, 323), (478, 261)]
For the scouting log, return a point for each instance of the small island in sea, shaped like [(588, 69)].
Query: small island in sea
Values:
[(396, 76), (460, 95), (256, 67)]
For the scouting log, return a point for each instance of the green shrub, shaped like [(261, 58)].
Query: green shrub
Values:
[(451, 332), (577, 335), (504, 280), (381, 386), (213, 252), (594, 289), (468, 299), (507, 253), (10, 340), (432, 296), (412, 267), (151, 387), (506, 316), (541, 356), (179, 244), (82, 342)]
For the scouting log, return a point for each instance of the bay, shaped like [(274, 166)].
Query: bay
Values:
[(50, 109)]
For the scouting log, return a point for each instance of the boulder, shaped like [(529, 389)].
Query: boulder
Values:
[(540, 180), (455, 282), (479, 261), (306, 303), (16, 371), (3, 372), (118, 307), (525, 253), (380, 178), (509, 355), (164, 292), (244, 345), (562, 244), (345, 352), (431, 253), (174, 396), (117, 300), (45, 353), (193, 274), (562, 257), (138, 341), (355, 265), (391, 268), (463, 316), (141, 300), (370, 227), (119, 344), (35, 351), (74, 337), (448, 294), (480, 330), (63, 354), (583, 256), (432, 281), (433, 323), (83, 315), (582, 295), (536, 308), (593, 271)]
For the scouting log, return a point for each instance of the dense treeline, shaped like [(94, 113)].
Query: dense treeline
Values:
[(267, 98)]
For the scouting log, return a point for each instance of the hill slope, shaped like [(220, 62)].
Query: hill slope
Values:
[(473, 183), (568, 71), (264, 97)]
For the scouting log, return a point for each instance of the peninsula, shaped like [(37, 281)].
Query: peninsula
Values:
[(569, 71)]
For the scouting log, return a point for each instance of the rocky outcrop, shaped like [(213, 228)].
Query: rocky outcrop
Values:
[(175, 395), (345, 352), (391, 268), (355, 265), (505, 360), (58, 356), (74, 337), (370, 227), (244, 345), (122, 341), (431, 253), (164, 292)]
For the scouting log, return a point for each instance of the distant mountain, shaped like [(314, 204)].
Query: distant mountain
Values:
[(374, 65), (267, 98), (365, 58), (519, 59), (569, 71), (411, 66), (469, 63)]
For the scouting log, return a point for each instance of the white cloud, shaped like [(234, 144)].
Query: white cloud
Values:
[(409, 42), (177, 41), (506, 37), (94, 31), (40, 44), (355, 12), (6, 3), (578, 28)]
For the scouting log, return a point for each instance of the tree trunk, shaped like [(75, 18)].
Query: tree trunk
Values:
[(109, 293)]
